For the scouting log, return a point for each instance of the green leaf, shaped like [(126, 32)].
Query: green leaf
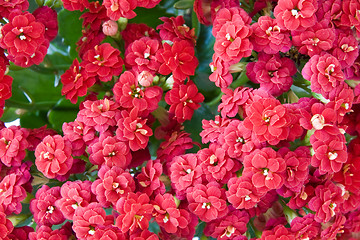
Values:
[(33, 119), (205, 49), (10, 114), (150, 16), (64, 111), (184, 4)]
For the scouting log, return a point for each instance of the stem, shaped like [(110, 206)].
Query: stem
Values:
[(30, 106), (215, 100)]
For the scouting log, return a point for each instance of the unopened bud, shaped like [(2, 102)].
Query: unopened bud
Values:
[(145, 78), (110, 28)]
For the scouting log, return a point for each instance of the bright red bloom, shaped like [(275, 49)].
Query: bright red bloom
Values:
[(6, 7), (135, 212), (89, 39), (178, 59), (221, 75), (242, 194), (135, 31), (184, 100), (43, 206), (267, 167), (229, 14), (100, 114), (232, 100), (53, 156), (140, 55), (268, 119), (73, 195), (5, 89), (48, 17), (229, 227), (174, 29), (330, 151), (133, 129), (23, 36), (305, 227), (350, 15), (345, 48), (5, 225), (12, 145), (36, 135), (129, 93), (46, 233), (88, 219), (120, 8), (103, 61), (296, 14), (20, 233), (95, 17), (73, 5), (279, 232), (274, 73), (269, 37), (207, 201), (315, 39), (75, 82), (213, 129), (185, 171), (109, 151), (149, 179), (167, 215), (326, 201), (348, 175), (107, 233), (144, 235)]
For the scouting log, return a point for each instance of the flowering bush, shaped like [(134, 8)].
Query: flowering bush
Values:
[(179, 119)]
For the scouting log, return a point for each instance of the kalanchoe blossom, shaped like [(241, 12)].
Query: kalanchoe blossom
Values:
[(213, 129), (232, 100), (266, 167), (149, 179), (94, 18), (348, 176), (113, 184), (103, 61), (12, 145), (135, 31), (221, 75), (267, 36), (73, 195), (207, 201), (147, 3), (48, 17), (178, 59), (45, 232), (76, 82), (345, 48), (53, 156), (305, 227), (73, 5), (90, 38), (100, 114), (135, 212), (230, 14), (336, 227), (315, 39), (120, 8), (174, 29), (20, 233), (6, 7), (350, 15), (279, 232), (133, 129), (272, 72), (43, 206), (296, 14)]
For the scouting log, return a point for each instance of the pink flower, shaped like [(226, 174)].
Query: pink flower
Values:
[(207, 201), (73, 195), (21, 233), (103, 61), (73, 5), (46, 233), (213, 129), (221, 75), (326, 201), (135, 212), (268, 119), (229, 14), (279, 232), (100, 114), (305, 226), (184, 100), (133, 129), (296, 14), (345, 48), (267, 36), (12, 145), (53, 156), (43, 206), (178, 59), (232, 100), (110, 28), (350, 15), (149, 179), (267, 167)]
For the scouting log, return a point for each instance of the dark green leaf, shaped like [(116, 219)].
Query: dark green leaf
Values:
[(10, 114), (184, 4), (154, 227), (33, 119), (64, 111), (150, 16)]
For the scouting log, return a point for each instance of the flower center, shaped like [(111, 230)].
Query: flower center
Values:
[(50, 209), (229, 38), (346, 48), (265, 171), (206, 205), (332, 155)]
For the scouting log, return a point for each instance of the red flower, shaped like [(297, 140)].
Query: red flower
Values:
[(350, 15), (133, 129), (129, 94), (107, 233), (242, 194), (12, 145), (88, 219), (232, 100), (274, 73), (213, 129), (326, 201), (75, 82), (315, 39), (53, 156), (109, 151), (149, 179), (221, 75), (279, 232), (207, 202), (348, 176), (167, 215), (46, 233), (21, 233), (48, 17), (103, 61), (305, 227), (174, 29), (135, 31), (100, 114), (43, 206), (267, 167), (183, 100), (144, 235), (269, 37), (231, 13), (6, 7), (113, 184), (120, 8), (135, 212), (89, 39), (296, 14), (23, 36), (12, 193), (73, 195), (5, 225), (73, 5), (140, 55), (268, 119), (178, 59), (345, 48)]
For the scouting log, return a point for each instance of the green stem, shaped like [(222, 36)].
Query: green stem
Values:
[(30, 106), (215, 100)]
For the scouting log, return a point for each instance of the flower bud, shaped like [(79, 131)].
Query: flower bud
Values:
[(110, 28), (145, 78)]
